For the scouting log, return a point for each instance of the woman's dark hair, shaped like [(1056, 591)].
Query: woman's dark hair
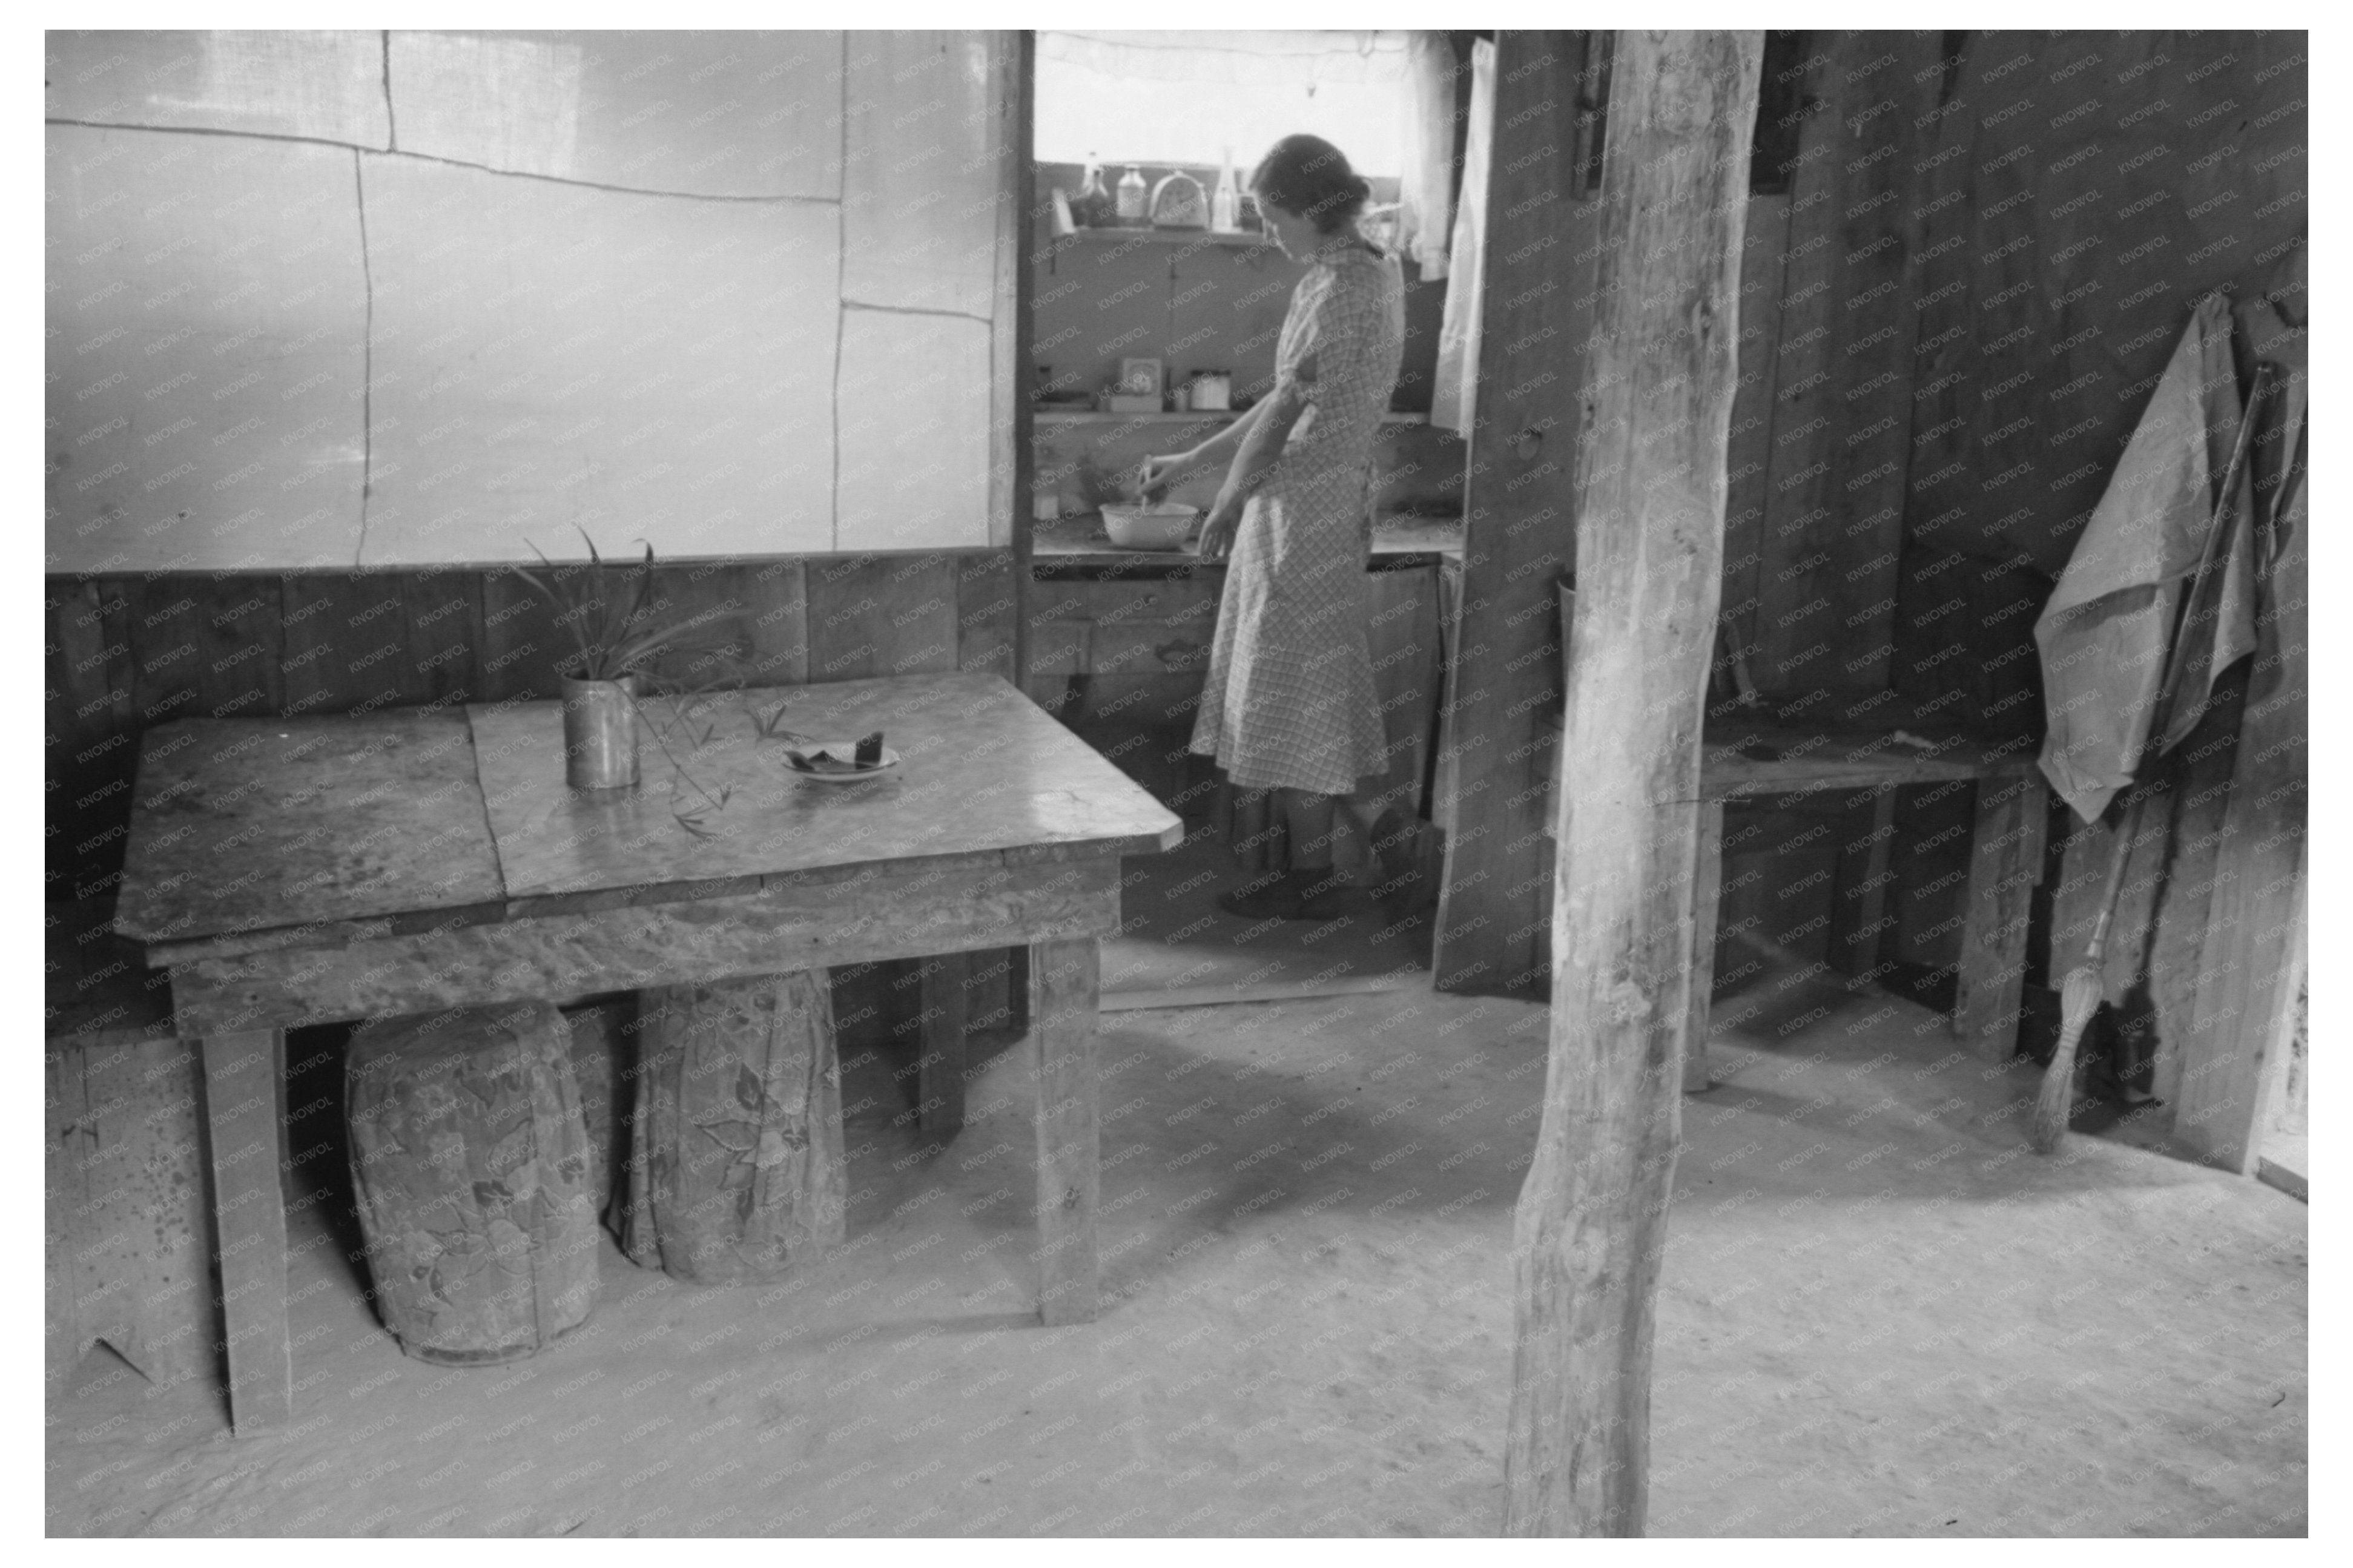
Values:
[(1307, 176)]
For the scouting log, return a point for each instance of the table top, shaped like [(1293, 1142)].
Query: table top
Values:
[(402, 820), (241, 823)]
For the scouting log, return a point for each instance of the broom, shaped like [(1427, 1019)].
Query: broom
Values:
[(2079, 996)]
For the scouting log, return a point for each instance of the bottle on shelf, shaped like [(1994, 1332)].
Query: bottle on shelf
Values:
[(1091, 208), (1133, 196), (1226, 206)]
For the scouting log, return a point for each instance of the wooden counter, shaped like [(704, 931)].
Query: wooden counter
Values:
[(1078, 540)]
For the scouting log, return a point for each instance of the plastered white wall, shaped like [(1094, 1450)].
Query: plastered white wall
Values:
[(352, 299)]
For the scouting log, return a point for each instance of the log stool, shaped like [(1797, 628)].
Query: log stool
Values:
[(736, 1171), (470, 1162)]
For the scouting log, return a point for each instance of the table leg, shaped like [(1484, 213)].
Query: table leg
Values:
[(1707, 892), (1859, 914), (939, 1082), (246, 1124), (1063, 977), (2005, 864)]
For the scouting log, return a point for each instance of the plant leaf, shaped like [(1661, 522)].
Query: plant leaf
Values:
[(603, 600), (645, 585), (570, 612)]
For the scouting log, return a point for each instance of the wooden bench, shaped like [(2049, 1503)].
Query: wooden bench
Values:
[(1749, 759)]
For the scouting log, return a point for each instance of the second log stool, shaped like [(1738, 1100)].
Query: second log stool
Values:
[(469, 1159), (736, 1171)]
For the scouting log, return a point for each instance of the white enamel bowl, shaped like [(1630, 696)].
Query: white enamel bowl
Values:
[(1164, 525)]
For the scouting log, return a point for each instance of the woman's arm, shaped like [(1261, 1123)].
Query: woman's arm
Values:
[(1161, 472), (1215, 448)]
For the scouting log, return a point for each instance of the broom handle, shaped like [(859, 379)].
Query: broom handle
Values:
[(2126, 831)]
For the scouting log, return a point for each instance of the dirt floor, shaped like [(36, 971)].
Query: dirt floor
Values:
[(1879, 1316)]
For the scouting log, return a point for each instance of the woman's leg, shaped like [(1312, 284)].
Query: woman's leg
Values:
[(1359, 858)]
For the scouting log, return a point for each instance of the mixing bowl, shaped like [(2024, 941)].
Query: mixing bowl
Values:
[(1164, 525)]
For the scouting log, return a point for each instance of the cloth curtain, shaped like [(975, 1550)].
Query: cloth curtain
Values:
[(1426, 188), (1454, 401), (2105, 633)]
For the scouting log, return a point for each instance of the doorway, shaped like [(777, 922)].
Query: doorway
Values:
[(1149, 332)]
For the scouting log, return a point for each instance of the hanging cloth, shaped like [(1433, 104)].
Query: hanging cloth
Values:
[(1426, 189), (2106, 630), (1455, 400)]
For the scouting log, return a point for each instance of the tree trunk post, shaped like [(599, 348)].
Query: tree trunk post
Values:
[(1650, 517)]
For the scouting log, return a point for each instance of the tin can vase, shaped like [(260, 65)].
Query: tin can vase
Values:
[(600, 732)]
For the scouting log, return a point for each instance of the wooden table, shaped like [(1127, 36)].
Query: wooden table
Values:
[(290, 871), (2005, 857)]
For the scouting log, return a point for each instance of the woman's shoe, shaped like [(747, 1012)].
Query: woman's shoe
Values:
[(1401, 884), (1337, 900)]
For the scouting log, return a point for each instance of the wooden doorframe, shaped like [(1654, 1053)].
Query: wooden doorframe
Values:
[(1519, 520)]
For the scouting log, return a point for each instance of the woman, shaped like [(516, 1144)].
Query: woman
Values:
[(1289, 710)]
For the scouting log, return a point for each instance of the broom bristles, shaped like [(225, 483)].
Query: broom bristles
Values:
[(2079, 998)]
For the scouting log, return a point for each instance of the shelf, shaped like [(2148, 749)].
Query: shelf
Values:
[(1090, 417)]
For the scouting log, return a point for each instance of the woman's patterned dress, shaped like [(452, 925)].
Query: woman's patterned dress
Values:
[(1290, 700)]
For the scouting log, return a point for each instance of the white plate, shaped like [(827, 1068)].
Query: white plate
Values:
[(839, 751)]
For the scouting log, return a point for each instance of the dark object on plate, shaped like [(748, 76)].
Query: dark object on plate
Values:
[(837, 760), (870, 751)]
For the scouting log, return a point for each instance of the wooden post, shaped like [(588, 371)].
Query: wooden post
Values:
[(1707, 894), (939, 1080), (1649, 539), (1859, 909), (1064, 979), (2005, 865)]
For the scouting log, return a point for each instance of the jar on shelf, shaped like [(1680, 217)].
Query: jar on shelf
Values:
[(1091, 208), (1135, 198)]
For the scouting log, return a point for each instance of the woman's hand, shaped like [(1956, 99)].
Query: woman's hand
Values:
[(1218, 528), (1158, 473)]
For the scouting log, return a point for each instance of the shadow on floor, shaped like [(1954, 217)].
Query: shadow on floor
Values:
[(1176, 947)]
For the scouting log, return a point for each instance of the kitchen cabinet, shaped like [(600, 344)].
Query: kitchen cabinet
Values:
[(1118, 648)]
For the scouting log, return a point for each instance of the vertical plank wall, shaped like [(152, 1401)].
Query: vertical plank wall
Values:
[(1992, 241), (2083, 192), (1836, 450)]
